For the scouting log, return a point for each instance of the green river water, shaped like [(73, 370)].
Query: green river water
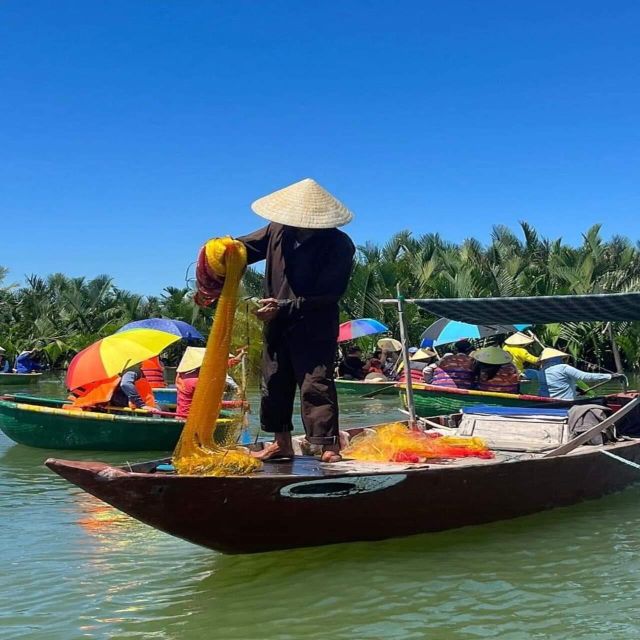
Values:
[(73, 567)]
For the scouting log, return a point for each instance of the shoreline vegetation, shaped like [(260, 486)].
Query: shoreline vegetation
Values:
[(63, 315)]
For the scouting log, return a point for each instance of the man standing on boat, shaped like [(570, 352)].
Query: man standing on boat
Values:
[(308, 264)]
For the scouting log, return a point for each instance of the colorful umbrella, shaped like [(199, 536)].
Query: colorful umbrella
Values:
[(177, 327), (444, 331), (358, 328), (112, 355)]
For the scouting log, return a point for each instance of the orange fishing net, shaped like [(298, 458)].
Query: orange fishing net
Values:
[(397, 443), (204, 448)]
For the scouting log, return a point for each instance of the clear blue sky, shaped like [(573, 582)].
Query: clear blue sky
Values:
[(130, 132)]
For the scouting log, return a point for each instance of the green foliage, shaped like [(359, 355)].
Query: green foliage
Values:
[(511, 264), (64, 315)]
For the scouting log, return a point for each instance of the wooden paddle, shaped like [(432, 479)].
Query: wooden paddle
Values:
[(589, 433), (371, 394)]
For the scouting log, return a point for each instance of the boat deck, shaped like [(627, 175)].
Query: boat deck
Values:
[(310, 466)]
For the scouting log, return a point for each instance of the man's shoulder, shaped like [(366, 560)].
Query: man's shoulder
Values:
[(342, 240)]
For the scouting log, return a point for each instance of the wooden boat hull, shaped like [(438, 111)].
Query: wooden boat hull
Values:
[(19, 378), (39, 424), (308, 505), (432, 401), (53, 428), (360, 387)]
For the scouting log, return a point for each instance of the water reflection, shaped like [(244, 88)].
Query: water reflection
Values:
[(74, 567)]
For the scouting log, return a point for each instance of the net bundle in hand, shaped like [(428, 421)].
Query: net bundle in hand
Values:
[(197, 451), (397, 443)]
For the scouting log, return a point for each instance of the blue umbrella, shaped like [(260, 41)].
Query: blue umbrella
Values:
[(444, 331), (175, 327)]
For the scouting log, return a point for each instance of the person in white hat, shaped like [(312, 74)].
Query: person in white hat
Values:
[(5, 367), (516, 345), (308, 264), (557, 379)]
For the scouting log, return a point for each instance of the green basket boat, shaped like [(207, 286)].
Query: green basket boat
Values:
[(431, 401), (19, 378), (46, 424), (362, 387)]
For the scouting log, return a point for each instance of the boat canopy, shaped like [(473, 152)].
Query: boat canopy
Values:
[(536, 310)]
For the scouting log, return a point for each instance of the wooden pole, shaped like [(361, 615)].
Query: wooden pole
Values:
[(614, 349), (407, 363)]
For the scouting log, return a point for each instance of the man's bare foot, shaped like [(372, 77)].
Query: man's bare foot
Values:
[(331, 453), (282, 447)]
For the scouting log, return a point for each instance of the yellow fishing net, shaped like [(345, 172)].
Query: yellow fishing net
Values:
[(204, 448), (397, 443)]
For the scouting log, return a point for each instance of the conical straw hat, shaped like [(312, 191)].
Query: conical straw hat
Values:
[(519, 339), (491, 355), (548, 353), (423, 354), (390, 344), (191, 359), (304, 204)]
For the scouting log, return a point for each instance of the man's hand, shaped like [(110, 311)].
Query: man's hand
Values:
[(268, 310)]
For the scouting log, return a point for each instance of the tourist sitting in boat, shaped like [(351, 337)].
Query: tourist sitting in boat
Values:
[(374, 364), (516, 345), (187, 374), (5, 367), (455, 370), (495, 371), (133, 391), (417, 363), (28, 362), (557, 379), (153, 372), (352, 366)]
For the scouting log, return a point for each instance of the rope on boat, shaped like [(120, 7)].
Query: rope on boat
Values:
[(621, 459)]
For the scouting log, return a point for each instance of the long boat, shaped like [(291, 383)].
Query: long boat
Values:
[(19, 378), (431, 401), (363, 387), (304, 502), (46, 424)]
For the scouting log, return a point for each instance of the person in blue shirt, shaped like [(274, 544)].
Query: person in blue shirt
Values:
[(4, 363), (28, 362), (557, 379)]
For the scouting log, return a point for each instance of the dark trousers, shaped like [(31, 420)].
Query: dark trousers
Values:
[(291, 362)]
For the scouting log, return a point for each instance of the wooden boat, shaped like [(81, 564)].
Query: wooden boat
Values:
[(307, 503), (362, 387), (431, 401), (44, 423), (19, 378)]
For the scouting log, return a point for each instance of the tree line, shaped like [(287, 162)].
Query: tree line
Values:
[(62, 315)]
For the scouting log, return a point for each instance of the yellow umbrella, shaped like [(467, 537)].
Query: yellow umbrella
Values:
[(112, 355)]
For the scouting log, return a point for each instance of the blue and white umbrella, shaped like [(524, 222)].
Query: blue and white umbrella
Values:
[(444, 331), (176, 327)]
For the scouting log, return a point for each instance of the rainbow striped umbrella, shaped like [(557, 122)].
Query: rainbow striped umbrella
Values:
[(358, 328)]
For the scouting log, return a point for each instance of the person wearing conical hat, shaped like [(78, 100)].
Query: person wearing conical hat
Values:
[(557, 379), (516, 345), (308, 264), (188, 372), (418, 361), (495, 371)]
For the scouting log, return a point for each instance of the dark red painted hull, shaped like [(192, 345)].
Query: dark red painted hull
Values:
[(296, 508)]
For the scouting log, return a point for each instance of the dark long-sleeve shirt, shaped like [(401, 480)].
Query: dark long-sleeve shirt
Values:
[(312, 276)]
